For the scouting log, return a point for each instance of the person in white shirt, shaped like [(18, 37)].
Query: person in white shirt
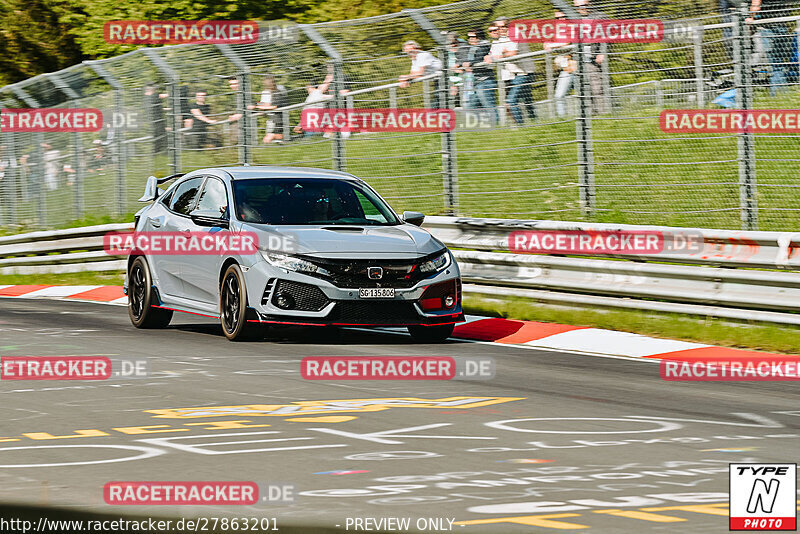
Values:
[(514, 76), (422, 64), (568, 65), (316, 99)]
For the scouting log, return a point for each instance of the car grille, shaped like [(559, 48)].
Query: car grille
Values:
[(378, 313), (353, 273), (306, 297)]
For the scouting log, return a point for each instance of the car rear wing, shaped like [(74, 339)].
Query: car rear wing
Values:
[(151, 189)]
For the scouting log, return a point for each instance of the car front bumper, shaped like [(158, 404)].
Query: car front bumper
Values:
[(316, 301)]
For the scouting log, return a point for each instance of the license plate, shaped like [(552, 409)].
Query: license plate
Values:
[(376, 293)]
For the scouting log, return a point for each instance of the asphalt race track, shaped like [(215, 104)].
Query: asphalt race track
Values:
[(554, 442)]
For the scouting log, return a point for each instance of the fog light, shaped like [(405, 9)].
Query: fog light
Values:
[(284, 301), (449, 301)]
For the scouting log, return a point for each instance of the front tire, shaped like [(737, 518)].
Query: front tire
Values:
[(141, 298), (233, 306), (431, 334)]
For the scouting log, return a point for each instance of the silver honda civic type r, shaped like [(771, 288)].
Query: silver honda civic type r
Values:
[(330, 252)]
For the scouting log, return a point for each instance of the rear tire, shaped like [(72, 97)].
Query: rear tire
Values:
[(233, 307), (431, 334), (141, 298)]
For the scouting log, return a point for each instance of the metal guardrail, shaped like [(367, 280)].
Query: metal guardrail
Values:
[(60, 251), (733, 274)]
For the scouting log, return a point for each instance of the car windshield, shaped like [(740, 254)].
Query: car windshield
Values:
[(312, 201)]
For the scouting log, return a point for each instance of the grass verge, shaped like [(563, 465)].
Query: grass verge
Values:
[(111, 278), (725, 332)]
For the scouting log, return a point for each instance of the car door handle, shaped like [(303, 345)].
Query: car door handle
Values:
[(154, 222)]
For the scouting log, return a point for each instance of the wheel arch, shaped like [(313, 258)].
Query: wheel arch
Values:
[(225, 264)]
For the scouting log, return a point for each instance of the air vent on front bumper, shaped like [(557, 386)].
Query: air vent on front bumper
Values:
[(268, 291), (296, 296)]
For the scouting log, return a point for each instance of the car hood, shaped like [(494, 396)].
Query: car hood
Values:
[(340, 241)]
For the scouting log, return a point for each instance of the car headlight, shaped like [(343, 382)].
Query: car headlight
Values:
[(292, 263), (436, 264)]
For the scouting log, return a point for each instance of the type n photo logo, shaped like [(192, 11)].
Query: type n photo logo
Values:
[(762, 497)]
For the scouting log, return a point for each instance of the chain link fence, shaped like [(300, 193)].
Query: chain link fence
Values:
[(577, 136)]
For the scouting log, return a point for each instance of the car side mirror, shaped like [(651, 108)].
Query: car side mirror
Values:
[(413, 217), (151, 190), (208, 218)]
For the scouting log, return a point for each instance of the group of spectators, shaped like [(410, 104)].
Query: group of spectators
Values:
[(196, 116), (471, 66), (472, 73), (472, 70)]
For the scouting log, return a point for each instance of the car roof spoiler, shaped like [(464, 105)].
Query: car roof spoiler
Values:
[(151, 190), (170, 177)]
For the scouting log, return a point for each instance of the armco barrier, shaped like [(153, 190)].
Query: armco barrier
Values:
[(743, 275)]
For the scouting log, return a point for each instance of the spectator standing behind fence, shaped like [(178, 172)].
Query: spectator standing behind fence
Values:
[(776, 39), (567, 67), (231, 129), (519, 75), (483, 74), (155, 116), (200, 111), (593, 60), (456, 55), (315, 100), (422, 64), (50, 157), (272, 97)]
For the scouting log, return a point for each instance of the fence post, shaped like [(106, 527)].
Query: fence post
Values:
[(448, 140), (605, 73), (38, 164), (10, 178), (697, 38), (76, 140), (176, 122), (550, 82), (501, 94), (118, 148), (242, 99), (743, 76), (337, 148), (583, 125), (797, 43)]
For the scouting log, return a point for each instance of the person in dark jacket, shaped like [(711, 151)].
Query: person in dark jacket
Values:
[(484, 81)]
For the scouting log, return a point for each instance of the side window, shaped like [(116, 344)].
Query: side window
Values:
[(168, 198), (183, 198), (213, 197)]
